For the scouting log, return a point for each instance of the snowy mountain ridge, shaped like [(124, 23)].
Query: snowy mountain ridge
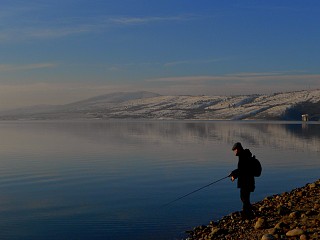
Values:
[(146, 105)]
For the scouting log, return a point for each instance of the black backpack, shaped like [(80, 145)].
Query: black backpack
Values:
[(257, 169)]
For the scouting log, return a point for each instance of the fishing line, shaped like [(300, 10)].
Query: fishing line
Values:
[(177, 199)]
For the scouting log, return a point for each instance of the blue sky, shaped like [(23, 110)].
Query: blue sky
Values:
[(54, 52)]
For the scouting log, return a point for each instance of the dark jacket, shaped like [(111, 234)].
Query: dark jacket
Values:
[(244, 172)]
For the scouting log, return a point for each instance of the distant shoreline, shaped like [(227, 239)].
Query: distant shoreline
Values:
[(91, 120), (290, 106)]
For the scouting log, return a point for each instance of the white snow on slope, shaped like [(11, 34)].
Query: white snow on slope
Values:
[(211, 107), (153, 106)]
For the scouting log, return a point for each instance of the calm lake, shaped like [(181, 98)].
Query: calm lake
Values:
[(110, 179)]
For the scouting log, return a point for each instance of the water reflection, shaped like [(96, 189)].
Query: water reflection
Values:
[(276, 134), (107, 179)]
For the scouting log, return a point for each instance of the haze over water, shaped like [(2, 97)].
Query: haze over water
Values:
[(109, 179)]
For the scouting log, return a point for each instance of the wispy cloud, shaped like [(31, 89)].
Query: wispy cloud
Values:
[(266, 74), (254, 77), (188, 62), (16, 67), (46, 30), (34, 28), (145, 20), (123, 66)]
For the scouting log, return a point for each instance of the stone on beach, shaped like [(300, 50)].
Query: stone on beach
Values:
[(290, 215), (294, 232), (261, 223), (267, 237)]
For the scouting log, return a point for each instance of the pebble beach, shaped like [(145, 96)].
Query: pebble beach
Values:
[(290, 215)]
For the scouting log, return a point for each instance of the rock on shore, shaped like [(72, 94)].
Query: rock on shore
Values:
[(290, 215)]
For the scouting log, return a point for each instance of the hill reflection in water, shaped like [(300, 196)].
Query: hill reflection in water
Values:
[(108, 179)]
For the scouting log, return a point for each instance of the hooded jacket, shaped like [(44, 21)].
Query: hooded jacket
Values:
[(244, 172)]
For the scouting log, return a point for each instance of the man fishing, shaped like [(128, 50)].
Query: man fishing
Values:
[(245, 175), (248, 168)]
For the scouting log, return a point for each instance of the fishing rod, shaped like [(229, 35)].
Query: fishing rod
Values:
[(177, 199)]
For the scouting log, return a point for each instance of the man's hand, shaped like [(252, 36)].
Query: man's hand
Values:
[(232, 177)]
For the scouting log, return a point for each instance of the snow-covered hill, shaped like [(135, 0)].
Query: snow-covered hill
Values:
[(145, 105)]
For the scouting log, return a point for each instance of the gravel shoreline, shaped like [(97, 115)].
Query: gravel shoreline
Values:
[(290, 215)]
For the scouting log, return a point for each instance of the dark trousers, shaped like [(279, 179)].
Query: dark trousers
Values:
[(245, 198)]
